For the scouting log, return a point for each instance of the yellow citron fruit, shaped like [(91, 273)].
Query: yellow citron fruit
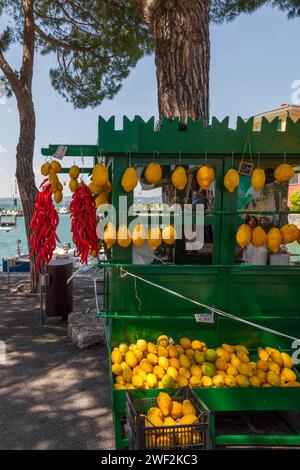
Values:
[(218, 380), (289, 233), (273, 366), (163, 340), (151, 380), (182, 382), (152, 348), (183, 372), (242, 381), (206, 381), (270, 350), (163, 362), (110, 235), (56, 166), (100, 174), (258, 179), (231, 180), (159, 372), (196, 345), (154, 420), (184, 361), (255, 381), (169, 235), (284, 173), (228, 348), (258, 237), (101, 199), (185, 343), (231, 370), (243, 236), (230, 381), (245, 369), (223, 354), (241, 347), (195, 381), (139, 371), (276, 357), (205, 176), (120, 387), (242, 356), (137, 381), (188, 408), (139, 235), (120, 380), (123, 236), (155, 412), (289, 374), (174, 362), (131, 359), (58, 197), (273, 379), (152, 358), (117, 369), (45, 168), (172, 351), (177, 410), (168, 381), (274, 240), (164, 402), (146, 366), (154, 237), (162, 351), (222, 373), (179, 178), (235, 361), (262, 365), (221, 364), (73, 185), (127, 374), (172, 372), (153, 172), (169, 421), (116, 356), (138, 354), (196, 371), (74, 172), (262, 375), (287, 360), (94, 188), (129, 179), (262, 354)]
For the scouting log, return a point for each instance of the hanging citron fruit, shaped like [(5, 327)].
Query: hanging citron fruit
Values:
[(284, 173), (74, 172), (153, 172), (101, 199), (107, 187), (45, 168), (258, 179), (258, 237), (231, 180), (100, 174), (179, 178), (274, 240), (289, 233), (129, 179), (58, 197), (154, 237), (243, 235), (73, 185), (56, 166), (205, 176), (139, 235), (95, 189), (169, 235), (110, 235), (123, 236)]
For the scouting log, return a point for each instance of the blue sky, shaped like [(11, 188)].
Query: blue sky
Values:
[(255, 59)]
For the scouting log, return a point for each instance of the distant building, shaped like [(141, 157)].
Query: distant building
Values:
[(282, 112)]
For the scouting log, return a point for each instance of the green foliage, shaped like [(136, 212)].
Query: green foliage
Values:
[(295, 201)]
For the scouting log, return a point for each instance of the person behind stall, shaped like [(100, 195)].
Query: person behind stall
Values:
[(284, 218), (264, 222)]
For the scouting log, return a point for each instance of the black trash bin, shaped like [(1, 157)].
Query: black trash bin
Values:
[(59, 293)]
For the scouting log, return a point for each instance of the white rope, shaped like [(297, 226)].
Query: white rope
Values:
[(125, 273)]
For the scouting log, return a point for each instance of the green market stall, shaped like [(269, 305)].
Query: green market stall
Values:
[(267, 295)]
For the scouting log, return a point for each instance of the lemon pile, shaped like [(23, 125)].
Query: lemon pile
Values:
[(287, 234), (51, 169), (171, 412), (145, 365)]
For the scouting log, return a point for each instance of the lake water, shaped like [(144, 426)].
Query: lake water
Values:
[(8, 240)]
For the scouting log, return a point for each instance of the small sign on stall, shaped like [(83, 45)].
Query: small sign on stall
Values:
[(204, 317)]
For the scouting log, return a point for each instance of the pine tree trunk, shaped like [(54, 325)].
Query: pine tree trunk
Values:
[(24, 170), (182, 56)]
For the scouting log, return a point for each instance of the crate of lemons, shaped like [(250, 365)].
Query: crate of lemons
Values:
[(164, 364), (168, 421)]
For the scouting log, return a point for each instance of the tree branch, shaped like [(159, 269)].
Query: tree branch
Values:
[(10, 75), (61, 44)]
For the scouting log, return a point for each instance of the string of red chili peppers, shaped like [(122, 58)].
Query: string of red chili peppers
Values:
[(43, 227), (84, 224)]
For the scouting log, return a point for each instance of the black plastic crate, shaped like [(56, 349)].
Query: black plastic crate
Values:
[(194, 436)]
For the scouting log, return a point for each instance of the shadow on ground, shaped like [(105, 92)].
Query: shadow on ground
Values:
[(52, 395)]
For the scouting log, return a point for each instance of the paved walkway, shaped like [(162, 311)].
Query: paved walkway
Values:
[(52, 395)]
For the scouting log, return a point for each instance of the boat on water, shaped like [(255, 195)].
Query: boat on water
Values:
[(5, 229)]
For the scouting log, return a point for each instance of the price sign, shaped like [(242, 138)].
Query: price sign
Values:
[(204, 317), (60, 152)]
